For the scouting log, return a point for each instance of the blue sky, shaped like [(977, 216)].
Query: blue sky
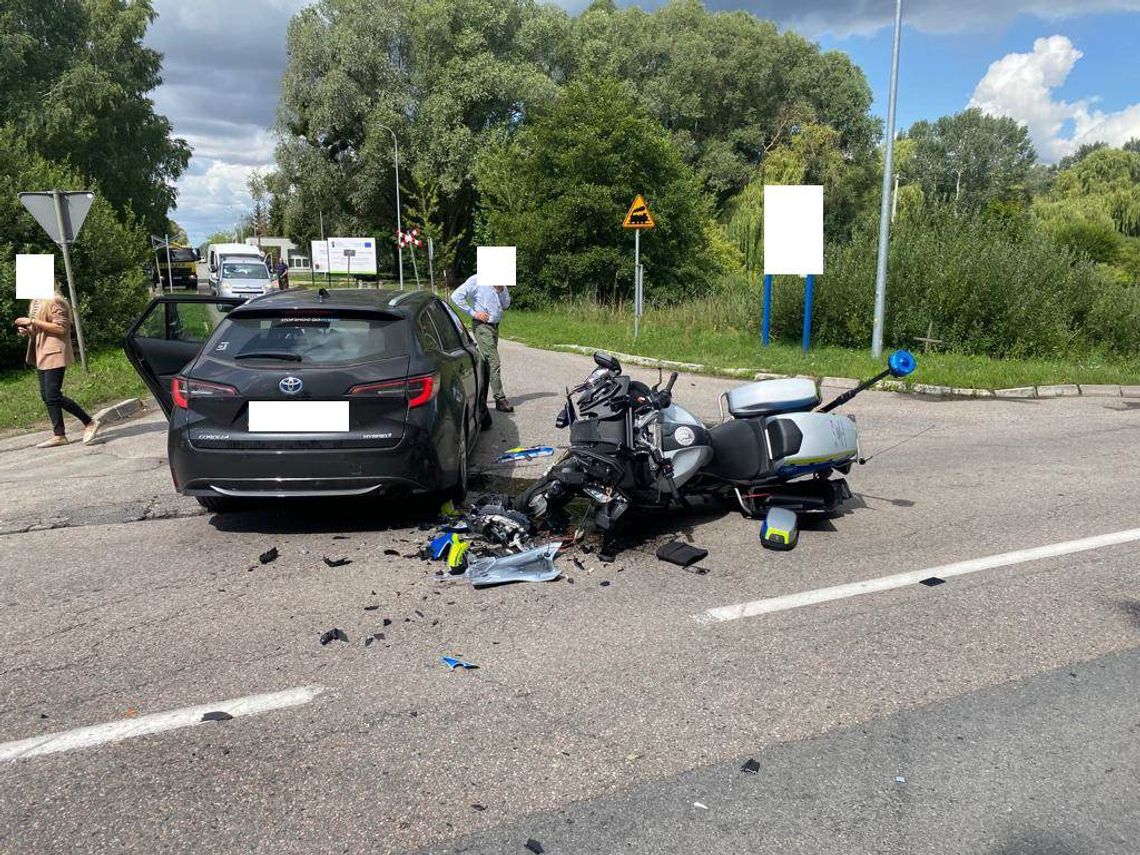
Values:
[(938, 71), (1066, 68)]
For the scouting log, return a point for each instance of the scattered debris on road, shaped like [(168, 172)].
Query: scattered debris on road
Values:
[(533, 565), (932, 581), (335, 562), (268, 556), (453, 662), (333, 634), (217, 715), (478, 807), (900, 780), (534, 846), (700, 805), (533, 452), (681, 554), (372, 639), (750, 766)]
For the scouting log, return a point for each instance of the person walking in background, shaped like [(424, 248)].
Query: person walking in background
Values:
[(485, 304), (48, 328), (282, 271)]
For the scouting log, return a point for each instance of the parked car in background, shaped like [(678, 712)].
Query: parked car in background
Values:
[(218, 254), (312, 393), (246, 278)]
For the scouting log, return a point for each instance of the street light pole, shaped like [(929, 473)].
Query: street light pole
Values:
[(399, 227), (885, 207)]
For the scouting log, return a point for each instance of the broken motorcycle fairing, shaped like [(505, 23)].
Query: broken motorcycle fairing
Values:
[(533, 565), (633, 446)]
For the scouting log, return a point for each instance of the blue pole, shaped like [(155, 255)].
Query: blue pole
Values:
[(767, 322), (809, 295)]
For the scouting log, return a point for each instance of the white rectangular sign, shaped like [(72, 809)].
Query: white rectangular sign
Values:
[(320, 256), (298, 416), (35, 277), (793, 229), (352, 255), (495, 265)]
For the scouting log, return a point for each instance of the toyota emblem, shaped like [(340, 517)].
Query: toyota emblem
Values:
[(290, 385)]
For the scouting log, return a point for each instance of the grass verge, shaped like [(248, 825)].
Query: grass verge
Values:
[(679, 334), (111, 379)]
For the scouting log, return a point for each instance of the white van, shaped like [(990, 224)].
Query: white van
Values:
[(236, 270)]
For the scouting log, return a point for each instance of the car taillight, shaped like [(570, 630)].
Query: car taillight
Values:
[(182, 390), (417, 390)]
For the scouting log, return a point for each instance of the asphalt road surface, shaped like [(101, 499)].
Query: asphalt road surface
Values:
[(995, 713)]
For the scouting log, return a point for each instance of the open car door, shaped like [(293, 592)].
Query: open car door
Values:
[(168, 334)]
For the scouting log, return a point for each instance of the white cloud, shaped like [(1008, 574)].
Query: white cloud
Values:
[(1021, 85)]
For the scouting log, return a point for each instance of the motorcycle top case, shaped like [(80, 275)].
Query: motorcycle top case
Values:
[(826, 440)]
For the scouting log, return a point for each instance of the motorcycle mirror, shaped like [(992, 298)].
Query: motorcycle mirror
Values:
[(604, 360), (901, 363)]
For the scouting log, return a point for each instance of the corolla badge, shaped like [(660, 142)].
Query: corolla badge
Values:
[(290, 385)]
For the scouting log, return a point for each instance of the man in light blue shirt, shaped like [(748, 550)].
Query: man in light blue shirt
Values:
[(485, 304)]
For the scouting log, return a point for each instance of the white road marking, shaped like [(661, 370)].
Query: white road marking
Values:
[(116, 731), (900, 580)]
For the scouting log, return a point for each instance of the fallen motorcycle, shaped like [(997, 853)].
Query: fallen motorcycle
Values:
[(632, 446)]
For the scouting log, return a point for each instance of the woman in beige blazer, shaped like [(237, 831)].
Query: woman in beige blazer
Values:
[(48, 328)]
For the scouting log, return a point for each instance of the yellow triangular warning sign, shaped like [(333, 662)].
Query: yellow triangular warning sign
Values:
[(638, 216)]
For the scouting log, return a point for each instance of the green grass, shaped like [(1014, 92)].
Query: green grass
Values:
[(685, 334), (110, 380)]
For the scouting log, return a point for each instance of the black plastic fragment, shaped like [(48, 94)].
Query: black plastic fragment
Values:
[(534, 846), (578, 563), (391, 552), (371, 608), (605, 584), (333, 634), (387, 621), (336, 562), (932, 581), (750, 766), (478, 807), (216, 715), (372, 639), (270, 555), (340, 537), (569, 580), (418, 612), (681, 554)]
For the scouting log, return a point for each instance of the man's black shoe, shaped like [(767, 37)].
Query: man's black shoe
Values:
[(503, 405)]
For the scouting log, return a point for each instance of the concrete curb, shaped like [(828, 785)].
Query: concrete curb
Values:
[(1063, 390), (120, 411)]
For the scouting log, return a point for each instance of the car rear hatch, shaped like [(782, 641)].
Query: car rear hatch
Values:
[(308, 378)]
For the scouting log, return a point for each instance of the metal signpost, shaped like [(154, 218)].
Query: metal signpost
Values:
[(637, 218), (431, 256), (793, 245), (61, 214)]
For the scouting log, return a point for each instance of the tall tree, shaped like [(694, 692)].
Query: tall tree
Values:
[(74, 81), (559, 188), (970, 158)]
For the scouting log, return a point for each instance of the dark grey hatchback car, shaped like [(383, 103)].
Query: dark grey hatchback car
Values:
[(344, 392)]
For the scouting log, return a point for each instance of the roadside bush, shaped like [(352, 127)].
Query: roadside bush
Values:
[(997, 289), (1114, 321), (107, 259)]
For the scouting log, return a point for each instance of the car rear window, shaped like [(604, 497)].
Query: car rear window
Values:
[(318, 339)]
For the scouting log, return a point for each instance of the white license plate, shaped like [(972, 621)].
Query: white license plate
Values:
[(298, 416)]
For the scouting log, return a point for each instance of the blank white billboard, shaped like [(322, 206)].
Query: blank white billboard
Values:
[(793, 229)]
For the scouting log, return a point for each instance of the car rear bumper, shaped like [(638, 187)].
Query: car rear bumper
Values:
[(411, 466)]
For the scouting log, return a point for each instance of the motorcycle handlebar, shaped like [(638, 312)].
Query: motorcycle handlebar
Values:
[(672, 380)]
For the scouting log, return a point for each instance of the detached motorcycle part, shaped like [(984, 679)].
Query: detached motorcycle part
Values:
[(899, 364), (780, 529)]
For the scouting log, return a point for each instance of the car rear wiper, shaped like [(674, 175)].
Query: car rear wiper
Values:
[(270, 354)]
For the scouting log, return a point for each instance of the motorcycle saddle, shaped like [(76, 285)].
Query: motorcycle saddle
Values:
[(740, 448), (772, 397)]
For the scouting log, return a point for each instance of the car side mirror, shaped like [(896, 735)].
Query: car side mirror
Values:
[(604, 360), (901, 363)]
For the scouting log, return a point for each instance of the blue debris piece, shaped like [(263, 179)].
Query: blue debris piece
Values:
[(453, 662), (439, 547), (530, 453)]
